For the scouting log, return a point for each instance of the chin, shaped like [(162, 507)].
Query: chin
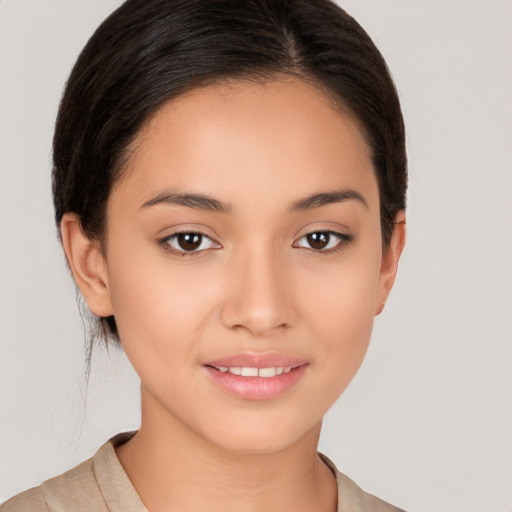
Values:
[(261, 436)]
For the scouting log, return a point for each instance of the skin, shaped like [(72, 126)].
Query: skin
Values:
[(254, 286)]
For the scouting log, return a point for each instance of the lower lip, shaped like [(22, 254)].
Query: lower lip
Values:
[(256, 388)]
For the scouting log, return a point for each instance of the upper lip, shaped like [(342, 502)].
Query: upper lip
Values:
[(248, 360)]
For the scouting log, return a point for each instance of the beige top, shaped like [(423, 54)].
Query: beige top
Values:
[(100, 484)]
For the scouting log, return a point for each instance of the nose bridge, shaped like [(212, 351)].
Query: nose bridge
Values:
[(258, 300)]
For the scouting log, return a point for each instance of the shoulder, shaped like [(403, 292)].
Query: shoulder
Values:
[(351, 498), (88, 486), (75, 490), (31, 500)]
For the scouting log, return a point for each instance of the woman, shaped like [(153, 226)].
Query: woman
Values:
[(229, 185)]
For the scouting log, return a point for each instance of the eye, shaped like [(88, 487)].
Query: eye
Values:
[(322, 240), (189, 242)]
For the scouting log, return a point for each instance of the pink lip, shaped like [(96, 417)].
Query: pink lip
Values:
[(256, 388)]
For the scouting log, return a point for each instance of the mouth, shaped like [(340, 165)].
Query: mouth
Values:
[(256, 377), (248, 371)]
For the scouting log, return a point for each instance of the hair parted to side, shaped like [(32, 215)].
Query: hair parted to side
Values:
[(148, 52)]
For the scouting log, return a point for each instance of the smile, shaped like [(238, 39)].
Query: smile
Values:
[(245, 371), (256, 376)]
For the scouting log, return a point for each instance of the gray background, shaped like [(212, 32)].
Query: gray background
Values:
[(427, 422)]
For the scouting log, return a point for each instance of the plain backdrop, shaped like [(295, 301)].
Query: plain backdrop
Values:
[(427, 423)]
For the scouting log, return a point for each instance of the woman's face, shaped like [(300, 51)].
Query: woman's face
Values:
[(245, 238)]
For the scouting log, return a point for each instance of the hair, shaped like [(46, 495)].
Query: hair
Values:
[(148, 52)]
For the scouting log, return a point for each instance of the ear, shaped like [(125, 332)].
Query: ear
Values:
[(390, 257), (87, 264)]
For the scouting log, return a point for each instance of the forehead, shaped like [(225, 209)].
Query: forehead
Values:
[(283, 136)]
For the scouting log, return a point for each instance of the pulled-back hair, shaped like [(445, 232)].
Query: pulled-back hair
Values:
[(148, 52)]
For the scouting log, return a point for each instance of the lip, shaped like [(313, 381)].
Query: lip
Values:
[(256, 388)]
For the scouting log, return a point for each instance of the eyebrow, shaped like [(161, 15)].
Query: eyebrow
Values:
[(208, 203), (324, 198), (196, 201)]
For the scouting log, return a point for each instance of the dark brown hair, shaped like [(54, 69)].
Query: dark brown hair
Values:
[(150, 51)]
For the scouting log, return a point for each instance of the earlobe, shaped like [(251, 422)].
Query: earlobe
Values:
[(87, 264), (390, 258)]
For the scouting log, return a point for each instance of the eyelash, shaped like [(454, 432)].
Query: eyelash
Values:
[(165, 243), (343, 239)]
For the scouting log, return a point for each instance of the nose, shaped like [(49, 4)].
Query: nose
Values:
[(259, 299)]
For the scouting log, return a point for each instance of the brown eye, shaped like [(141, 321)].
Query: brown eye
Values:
[(189, 242), (322, 240), (319, 240)]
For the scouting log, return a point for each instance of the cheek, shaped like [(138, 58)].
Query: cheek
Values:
[(342, 292), (158, 306), (340, 311)]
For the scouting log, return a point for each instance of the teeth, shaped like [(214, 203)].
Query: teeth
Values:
[(255, 372), (267, 372), (249, 372)]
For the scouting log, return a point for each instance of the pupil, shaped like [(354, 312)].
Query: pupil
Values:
[(318, 240), (189, 241)]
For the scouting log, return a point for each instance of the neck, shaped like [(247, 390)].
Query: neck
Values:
[(172, 468)]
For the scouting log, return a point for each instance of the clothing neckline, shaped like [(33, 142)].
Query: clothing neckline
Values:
[(122, 496)]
